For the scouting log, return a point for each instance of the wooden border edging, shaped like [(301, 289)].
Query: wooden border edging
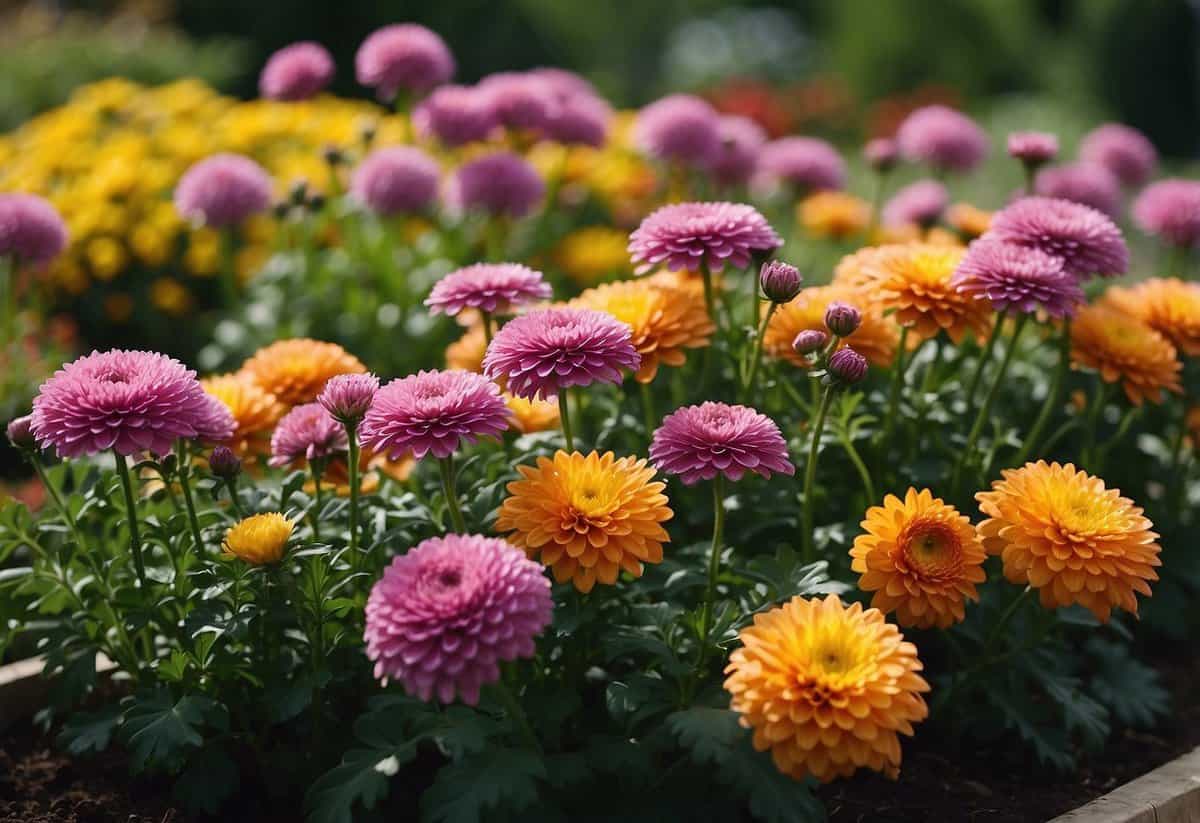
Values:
[(1169, 794), (23, 688)]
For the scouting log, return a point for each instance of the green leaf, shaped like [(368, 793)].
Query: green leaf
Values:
[(708, 734), (1131, 690), (159, 733), (474, 789), (210, 779), (90, 731)]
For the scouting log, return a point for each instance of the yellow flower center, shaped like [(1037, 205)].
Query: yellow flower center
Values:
[(930, 547)]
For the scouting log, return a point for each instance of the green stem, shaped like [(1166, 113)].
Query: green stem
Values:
[(564, 414), (229, 278), (756, 358), (714, 570), (8, 290), (984, 358), (486, 317), (446, 467), (135, 536), (231, 487), (809, 551), (650, 419), (709, 302), (185, 475), (1052, 396), (59, 502), (876, 204), (1095, 408), (352, 469), (516, 714), (318, 469), (1122, 429), (893, 409), (863, 472)]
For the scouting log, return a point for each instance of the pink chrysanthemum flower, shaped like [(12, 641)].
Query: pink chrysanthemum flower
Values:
[(396, 180), (216, 424), (687, 235), (404, 57), (307, 433), (455, 115), (564, 83), (449, 611), (942, 138), (740, 142), (1170, 210), (547, 350), (489, 287), (1033, 148), (348, 397), (1087, 240), (1019, 278), (30, 229), (434, 412), (881, 154), (1123, 150), (699, 442), (130, 401), (679, 128), (223, 190), (501, 183), (1086, 183), (804, 163), (917, 204), (520, 100), (296, 72), (580, 120)]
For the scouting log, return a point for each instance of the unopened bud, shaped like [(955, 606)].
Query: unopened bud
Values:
[(810, 341), (847, 366), (224, 463), (780, 281), (842, 319)]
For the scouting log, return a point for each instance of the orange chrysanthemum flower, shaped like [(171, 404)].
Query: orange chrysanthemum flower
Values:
[(587, 518), (859, 269), (529, 416), (1169, 306), (255, 412), (664, 320), (1066, 535), (827, 688), (834, 214), (917, 286), (969, 221), (296, 370), (466, 353), (921, 558), (1123, 348), (875, 338)]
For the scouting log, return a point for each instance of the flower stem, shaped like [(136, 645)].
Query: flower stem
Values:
[(984, 358), (185, 476), (709, 303), (1052, 396), (889, 423), (315, 515), (650, 419), (1094, 411), (863, 472), (446, 466), (135, 536), (564, 414), (486, 317), (714, 569), (809, 545), (756, 358), (516, 714), (352, 468)]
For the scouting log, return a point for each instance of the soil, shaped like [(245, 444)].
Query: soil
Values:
[(39, 784)]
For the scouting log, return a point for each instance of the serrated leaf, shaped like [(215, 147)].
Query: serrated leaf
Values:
[(773, 796), (90, 731), (159, 733), (708, 734), (361, 780), (1130, 689), (472, 789)]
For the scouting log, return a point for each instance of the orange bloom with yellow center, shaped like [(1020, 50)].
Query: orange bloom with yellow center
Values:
[(834, 214), (296, 370), (875, 338), (255, 412), (1123, 348), (859, 269), (664, 320), (921, 558), (529, 416), (1169, 306), (827, 688), (587, 518), (260, 539), (917, 286), (466, 353), (969, 221), (1062, 532)]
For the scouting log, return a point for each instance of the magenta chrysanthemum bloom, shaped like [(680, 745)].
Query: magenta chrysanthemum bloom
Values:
[(920, 203), (216, 424), (942, 138), (30, 229), (223, 190), (455, 115), (547, 350), (564, 83), (881, 154), (449, 611), (296, 72), (396, 180), (679, 128), (403, 57), (307, 433), (1086, 183), (805, 163), (489, 287), (348, 397), (579, 120), (687, 235), (1170, 210), (1087, 240), (1123, 150), (1033, 148), (520, 101), (1019, 278), (130, 401), (434, 412), (740, 142), (502, 183), (699, 442)]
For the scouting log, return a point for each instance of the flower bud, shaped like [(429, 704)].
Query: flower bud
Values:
[(842, 319), (20, 433), (1033, 148), (347, 397), (224, 463), (847, 366), (780, 281), (881, 154), (810, 341)]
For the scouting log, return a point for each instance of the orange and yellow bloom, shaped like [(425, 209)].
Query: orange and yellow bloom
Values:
[(1126, 350), (296, 370), (260, 539)]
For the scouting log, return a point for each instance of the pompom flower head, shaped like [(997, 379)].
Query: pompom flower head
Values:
[(223, 190), (680, 128), (918, 284), (740, 140), (547, 350), (396, 180), (1018, 278), (689, 235), (521, 101), (448, 612), (1087, 183), (306, 434), (501, 183), (699, 442), (587, 518), (1123, 348), (31, 231), (296, 370), (1169, 306), (489, 287), (942, 138), (296, 72), (1123, 150), (255, 412), (216, 424), (403, 57), (433, 412), (1087, 240), (581, 119), (826, 688), (1170, 211), (259, 540), (1064, 533), (917, 204), (348, 397), (803, 163), (921, 558), (1033, 148), (455, 115), (128, 401)]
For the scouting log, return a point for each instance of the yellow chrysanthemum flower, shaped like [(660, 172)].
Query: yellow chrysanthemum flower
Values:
[(255, 412), (1062, 532), (587, 518), (1168, 305), (296, 370), (834, 214), (663, 320), (826, 688), (969, 221), (593, 253), (529, 416), (259, 539), (921, 558), (1123, 348), (916, 286), (876, 338), (466, 353)]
